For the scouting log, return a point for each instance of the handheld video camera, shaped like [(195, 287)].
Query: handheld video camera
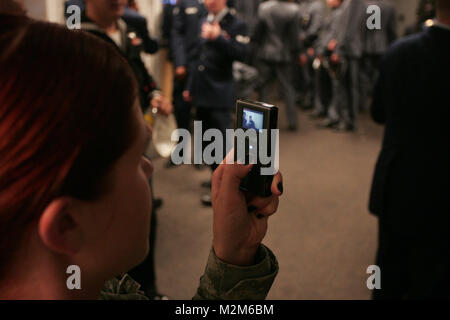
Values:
[(255, 143)]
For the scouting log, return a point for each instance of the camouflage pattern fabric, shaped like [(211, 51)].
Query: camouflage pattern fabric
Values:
[(220, 281)]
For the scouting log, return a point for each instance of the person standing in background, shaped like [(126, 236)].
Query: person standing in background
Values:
[(351, 49), (313, 16), (132, 17), (223, 39), (185, 45), (278, 45), (331, 69), (426, 12), (102, 18), (411, 181), (247, 11), (376, 43)]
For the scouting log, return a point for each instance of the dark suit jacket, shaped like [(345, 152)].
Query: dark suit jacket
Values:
[(132, 53), (247, 10), (277, 31), (186, 27), (139, 23), (376, 42), (212, 83), (351, 30), (132, 18), (411, 185), (412, 98)]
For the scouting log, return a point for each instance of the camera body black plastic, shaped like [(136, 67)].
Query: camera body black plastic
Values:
[(253, 115)]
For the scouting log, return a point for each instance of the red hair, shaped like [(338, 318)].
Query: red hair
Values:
[(66, 103)]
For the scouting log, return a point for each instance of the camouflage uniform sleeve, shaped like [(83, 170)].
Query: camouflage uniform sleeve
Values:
[(122, 288), (222, 281)]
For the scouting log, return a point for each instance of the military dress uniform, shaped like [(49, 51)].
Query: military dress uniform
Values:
[(329, 97), (376, 43), (278, 42), (351, 48), (185, 47), (313, 16), (211, 81)]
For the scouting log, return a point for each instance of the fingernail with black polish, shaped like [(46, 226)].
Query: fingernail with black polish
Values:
[(280, 187), (251, 208)]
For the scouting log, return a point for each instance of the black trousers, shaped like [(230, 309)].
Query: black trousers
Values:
[(182, 109), (368, 77), (413, 254), (270, 71), (215, 118), (323, 91)]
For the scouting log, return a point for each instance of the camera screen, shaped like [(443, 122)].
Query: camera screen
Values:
[(252, 119)]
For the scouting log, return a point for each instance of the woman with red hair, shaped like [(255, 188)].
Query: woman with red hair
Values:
[(74, 182)]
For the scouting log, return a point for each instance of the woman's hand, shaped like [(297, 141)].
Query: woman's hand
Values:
[(240, 222)]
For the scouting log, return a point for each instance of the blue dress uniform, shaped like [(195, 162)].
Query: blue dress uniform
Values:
[(211, 83), (185, 48)]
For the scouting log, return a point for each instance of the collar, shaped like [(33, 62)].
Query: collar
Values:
[(219, 16), (89, 25)]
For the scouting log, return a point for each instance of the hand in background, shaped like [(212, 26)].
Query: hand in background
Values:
[(211, 31), (180, 73), (303, 59), (332, 45), (187, 96), (163, 105)]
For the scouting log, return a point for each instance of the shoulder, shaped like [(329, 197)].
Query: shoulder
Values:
[(234, 21), (406, 45), (403, 51)]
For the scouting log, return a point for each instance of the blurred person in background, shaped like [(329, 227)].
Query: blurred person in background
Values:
[(245, 73), (313, 16), (331, 97), (350, 49), (185, 44), (103, 19), (132, 17), (411, 182), (87, 203), (166, 27), (222, 39), (376, 43), (343, 45), (247, 11), (278, 46), (426, 12)]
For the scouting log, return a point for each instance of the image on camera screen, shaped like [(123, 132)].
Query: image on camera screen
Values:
[(252, 119)]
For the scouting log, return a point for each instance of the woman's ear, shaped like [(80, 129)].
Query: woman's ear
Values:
[(59, 228)]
